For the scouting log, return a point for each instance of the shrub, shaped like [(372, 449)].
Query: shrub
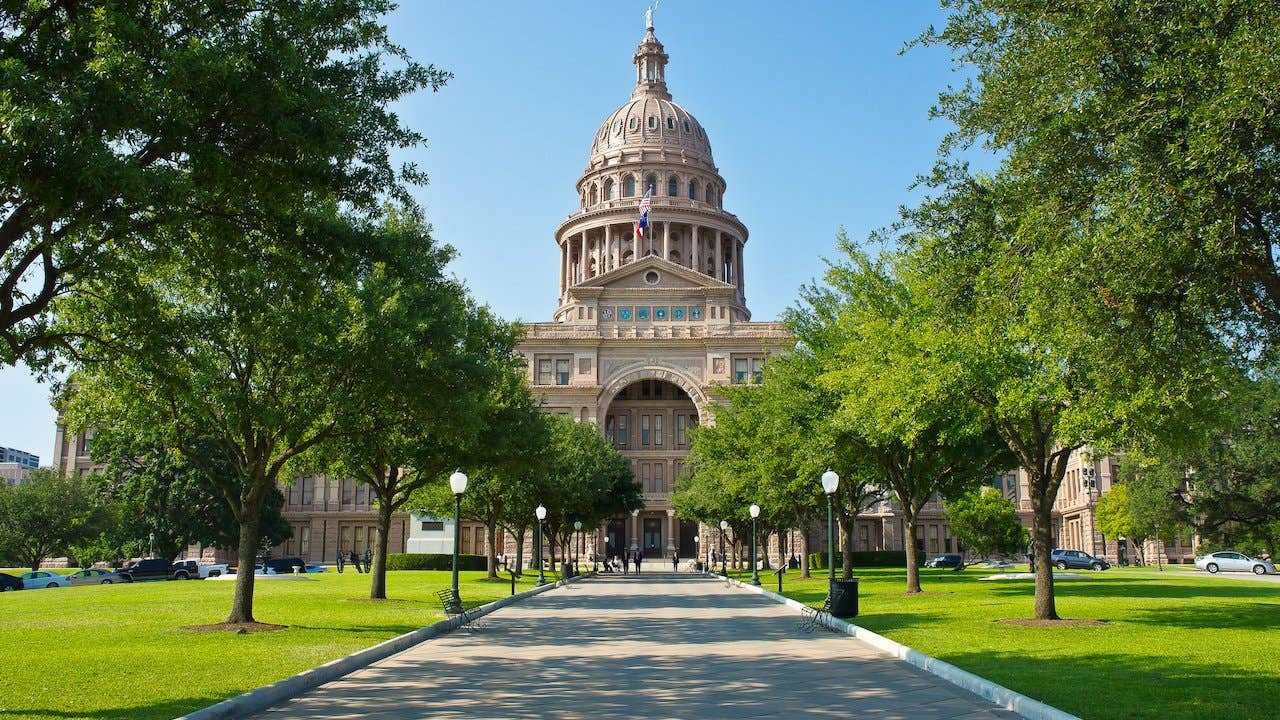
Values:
[(865, 558), (434, 561)]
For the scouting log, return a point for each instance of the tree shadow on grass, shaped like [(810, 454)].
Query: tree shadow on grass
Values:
[(1130, 686), (159, 710)]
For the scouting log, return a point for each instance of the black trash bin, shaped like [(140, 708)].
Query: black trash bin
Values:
[(844, 598)]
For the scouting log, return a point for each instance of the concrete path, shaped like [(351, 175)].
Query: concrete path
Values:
[(640, 647)]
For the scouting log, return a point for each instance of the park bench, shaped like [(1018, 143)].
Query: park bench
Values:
[(453, 608), (812, 617)]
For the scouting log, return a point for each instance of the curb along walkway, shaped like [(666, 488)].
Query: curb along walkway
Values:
[(656, 646)]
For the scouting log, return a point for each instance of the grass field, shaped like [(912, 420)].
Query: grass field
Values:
[(119, 651), (1176, 645)]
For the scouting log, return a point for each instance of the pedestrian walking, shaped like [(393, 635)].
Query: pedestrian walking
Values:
[(341, 561), (639, 559), (368, 560), (675, 562)]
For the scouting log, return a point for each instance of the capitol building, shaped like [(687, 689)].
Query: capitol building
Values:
[(651, 320)]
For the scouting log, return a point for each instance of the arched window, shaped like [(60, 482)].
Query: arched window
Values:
[(671, 123), (651, 184), (653, 122), (686, 126), (632, 123), (673, 186), (711, 195), (628, 186), (693, 189), (608, 189), (595, 194), (674, 256)]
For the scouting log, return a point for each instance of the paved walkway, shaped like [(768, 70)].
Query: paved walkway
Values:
[(651, 647)]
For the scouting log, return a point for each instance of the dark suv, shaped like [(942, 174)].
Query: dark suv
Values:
[(154, 569), (1077, 559), (285, 565), (945, 561)]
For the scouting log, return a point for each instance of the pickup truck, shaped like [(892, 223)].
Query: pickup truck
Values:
[(195, 569), (153, 569)]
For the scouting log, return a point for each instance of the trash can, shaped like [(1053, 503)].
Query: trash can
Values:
[(844, 598)]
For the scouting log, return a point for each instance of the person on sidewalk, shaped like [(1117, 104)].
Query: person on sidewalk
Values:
[(675, 562), (341, 561)]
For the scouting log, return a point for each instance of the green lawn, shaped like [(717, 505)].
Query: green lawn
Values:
[(1178, 645), (118, 651)]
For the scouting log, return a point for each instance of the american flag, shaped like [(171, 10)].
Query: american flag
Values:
[(643, 222)]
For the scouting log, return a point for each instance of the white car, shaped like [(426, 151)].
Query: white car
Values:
[(37, 579), (1227, 561)]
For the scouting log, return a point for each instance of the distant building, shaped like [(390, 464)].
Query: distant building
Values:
[(12, 473), (13, 455)]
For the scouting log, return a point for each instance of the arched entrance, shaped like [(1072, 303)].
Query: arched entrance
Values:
[(649, 420)]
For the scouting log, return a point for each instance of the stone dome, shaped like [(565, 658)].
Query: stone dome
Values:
[(652, 122)]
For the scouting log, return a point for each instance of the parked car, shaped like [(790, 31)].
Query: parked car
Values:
[(195, 569), (154, 569), (9, 583), (1078, 560), (945, 561), (95, 576), (37, 579), (314, 568), (283, 566), (1228, 561)]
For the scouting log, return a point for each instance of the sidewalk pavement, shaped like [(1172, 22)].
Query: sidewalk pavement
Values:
[(661, 646)]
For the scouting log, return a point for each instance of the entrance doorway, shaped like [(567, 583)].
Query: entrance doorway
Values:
[(652, 538), (688, 532), (616, 537)]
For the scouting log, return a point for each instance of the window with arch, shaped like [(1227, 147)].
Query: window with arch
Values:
[(674, 256), (686, 126), (673, 186), (711, 195), (653, 122), (671, 123), (618, 129), (693, 189), (632, 123), (608, 189), (651, 184), (628, 186), (594, 194)]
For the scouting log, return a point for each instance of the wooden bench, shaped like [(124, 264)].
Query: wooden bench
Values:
[(452, 605), (812, 617)]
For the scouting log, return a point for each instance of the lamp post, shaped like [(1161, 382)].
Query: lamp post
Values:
[(635, 528), (671, 530), (577, 555), (724, 525), (458, 484), (830, 481), (541, 514), (755, 572)]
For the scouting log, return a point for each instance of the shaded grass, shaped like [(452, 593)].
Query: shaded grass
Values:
[(119, 651), (1175, 645)]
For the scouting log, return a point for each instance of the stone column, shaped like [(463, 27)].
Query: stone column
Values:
[(671, 532), (582, 257), (666, 240), (635, 532), (564, 268), (608, 246), (694, 256), (737, 265), (719, 255)]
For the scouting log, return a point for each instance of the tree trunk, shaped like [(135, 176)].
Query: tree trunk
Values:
[(242, 604), (378, 583), (491, 537), (519, 554), (909, 542), (764, 552), (1042, 544), (845, 524), (804, 553)]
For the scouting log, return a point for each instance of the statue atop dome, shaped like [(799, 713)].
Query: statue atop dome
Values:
[(648, 15)]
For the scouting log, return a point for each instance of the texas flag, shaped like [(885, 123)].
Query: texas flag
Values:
[(643, 223)]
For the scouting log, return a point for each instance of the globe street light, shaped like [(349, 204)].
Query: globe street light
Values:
[(458, 484), (724, 525), (577, 530), (755, 572), (830, 481), (634, 513), (541, 513), (671, 513)]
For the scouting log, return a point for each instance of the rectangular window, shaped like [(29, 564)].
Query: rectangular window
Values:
[(610, 431), (362, 493), (359, 539), (644, 388), (657, 430), (304, 542), (544, 372), (562, 372), (644, 430), (864, 537), (658, 480), (348, 491), (622, 431), (295, 493), (479, 540), (433, 525), (757, 370), (308, 490), (740, 366), (682, 435), (646, 478)]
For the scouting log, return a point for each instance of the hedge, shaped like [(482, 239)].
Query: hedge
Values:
[(865, 558), (435, 561)]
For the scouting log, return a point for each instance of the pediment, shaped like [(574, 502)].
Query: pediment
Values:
[(652, 273)]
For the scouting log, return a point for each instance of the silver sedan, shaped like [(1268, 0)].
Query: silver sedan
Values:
[(1227, 561), (95, 576)]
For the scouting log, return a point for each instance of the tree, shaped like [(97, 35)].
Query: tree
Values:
[(1145, 132), (46, 514), (131, 123), (241, 343), (926, 439), (423, 362), (986, 522)]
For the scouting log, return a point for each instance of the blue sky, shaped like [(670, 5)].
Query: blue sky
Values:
[(815, 118)]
